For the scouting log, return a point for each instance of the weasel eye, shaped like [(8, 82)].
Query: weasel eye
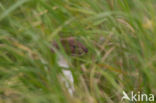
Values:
[(74, 46)]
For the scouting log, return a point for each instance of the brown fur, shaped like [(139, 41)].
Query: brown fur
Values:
[(71, 45)]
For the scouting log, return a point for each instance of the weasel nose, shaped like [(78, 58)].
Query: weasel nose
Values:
[(85, 50)]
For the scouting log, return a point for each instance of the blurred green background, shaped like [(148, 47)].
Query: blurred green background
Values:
[(120, 36)]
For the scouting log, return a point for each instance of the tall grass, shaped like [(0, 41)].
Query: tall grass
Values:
[(119, 34)]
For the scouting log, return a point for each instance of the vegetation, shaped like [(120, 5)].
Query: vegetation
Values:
[(120, 36)]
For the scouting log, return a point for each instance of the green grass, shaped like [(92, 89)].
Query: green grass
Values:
[(120, 36)]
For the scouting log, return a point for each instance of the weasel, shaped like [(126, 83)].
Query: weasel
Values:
[(72, 47)]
